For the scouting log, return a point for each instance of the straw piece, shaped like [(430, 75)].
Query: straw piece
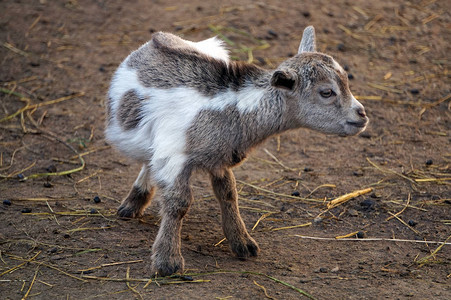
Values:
[(31, 284), (294, 226), (340, 200), (369, 240), (427, 258), (347, 235), (264, 290)]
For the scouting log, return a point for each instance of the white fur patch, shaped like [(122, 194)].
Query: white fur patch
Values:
[(213, 47)]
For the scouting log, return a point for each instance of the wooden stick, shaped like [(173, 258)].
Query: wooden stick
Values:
[(347, 197)]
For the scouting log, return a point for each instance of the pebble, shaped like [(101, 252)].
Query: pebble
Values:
[(317, 220), (272, 33), (66, 236), (350, 76), (307, 169), (97, 199), (412, 223), (414, 91), (341, 47), (360, 234), (429, 162), (26, 210), (20, 176), (306, 14), (367, 204), (7, 202), (93, 211), (47, 184), (357, 173), (51, 169), (295, 193), (365, 135), (353, 212)]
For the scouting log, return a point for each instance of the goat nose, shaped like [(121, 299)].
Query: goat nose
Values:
[(361, 112)]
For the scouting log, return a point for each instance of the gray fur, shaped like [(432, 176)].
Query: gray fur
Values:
[(166, 63), (218, 139), (308, 42), (129, 113)]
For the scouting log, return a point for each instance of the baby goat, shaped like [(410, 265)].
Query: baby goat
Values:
[(176, 106)]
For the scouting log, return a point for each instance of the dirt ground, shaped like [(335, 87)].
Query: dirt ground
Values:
[(60, 237)]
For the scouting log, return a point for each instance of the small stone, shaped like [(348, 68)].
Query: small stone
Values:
[(306, 14), (97, 199), (66, 235), (367, 204), (272, 33), (317, 220), (360, 234), (186, 278), (412, 223), (20, 176), (7, 202), (353, 212), (341, 47), (102, 69), (93, 211), (365, 135), (346, 68), (323, 270), (51, 169), (54, 250), (295, 193), (414, 91), (47, 184), (350, 76), (429, 162), (357, 173), (307, 169), (26, 210)]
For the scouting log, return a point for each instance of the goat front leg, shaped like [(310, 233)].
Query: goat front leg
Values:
[(166, 250), (241, 243), (139, 196)]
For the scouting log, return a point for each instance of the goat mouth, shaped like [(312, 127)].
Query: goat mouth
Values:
[(359, 124)]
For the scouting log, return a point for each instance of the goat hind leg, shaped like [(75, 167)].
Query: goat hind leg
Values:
[(139, 197), (166, 250), (224, 187)]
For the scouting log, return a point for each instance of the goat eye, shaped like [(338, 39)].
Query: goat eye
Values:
[(327, 93)]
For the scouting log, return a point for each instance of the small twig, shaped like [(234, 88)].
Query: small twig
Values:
[(278, 194), (127, 276), (31, 284), (20, 265), (390, 171), (425, 259), (368, 239), (402, 221), (401, 211), (340, 200), (294, 226), (264, 290)]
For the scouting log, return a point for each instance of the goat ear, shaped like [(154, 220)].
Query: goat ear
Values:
[(308, 42), (284, 80)]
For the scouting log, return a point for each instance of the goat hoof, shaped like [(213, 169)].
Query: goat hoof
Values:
[(125, 212), (245, 250), (166, 268)]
